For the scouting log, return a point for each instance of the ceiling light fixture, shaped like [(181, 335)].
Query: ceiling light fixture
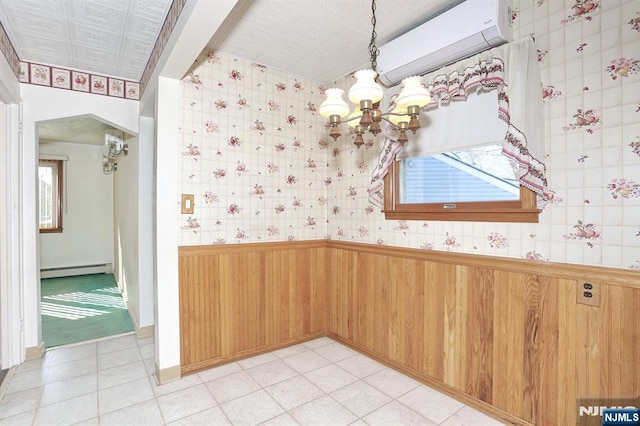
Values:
[(113, 148), (366, 94)]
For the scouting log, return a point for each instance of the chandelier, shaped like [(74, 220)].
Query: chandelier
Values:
[(366, 94)]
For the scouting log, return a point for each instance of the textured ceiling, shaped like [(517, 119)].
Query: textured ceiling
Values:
[(323, 40), (108, 37), (86, 129)]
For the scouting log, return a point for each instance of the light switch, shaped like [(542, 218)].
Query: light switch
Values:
[(187, 204)]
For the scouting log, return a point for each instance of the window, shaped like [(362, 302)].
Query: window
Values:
[(50, 195), (456, 121), (479, 184)]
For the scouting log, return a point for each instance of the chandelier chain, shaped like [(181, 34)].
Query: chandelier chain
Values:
[(373, 49)]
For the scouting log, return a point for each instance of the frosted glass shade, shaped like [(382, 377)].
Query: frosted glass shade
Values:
[(365, 87), (334, 104), (397, 119), (413, 93), (355, 115)]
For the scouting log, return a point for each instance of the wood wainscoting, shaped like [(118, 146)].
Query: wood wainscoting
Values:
[(506, 336), (243, 299)]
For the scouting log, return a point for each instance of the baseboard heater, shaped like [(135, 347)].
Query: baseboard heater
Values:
[(68, 271)]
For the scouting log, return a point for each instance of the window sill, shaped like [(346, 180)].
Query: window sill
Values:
[(51, 231), (468, 215)]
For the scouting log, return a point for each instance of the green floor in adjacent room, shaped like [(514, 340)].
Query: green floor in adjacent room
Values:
[(81, 308)]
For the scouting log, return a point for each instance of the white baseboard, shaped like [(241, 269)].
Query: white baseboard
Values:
[(68, 271)]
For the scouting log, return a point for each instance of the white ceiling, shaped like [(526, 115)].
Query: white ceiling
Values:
[(319, 39), (85, 129), (108, 37)]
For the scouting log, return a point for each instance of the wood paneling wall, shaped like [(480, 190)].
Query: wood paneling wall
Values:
[(506, 332), (238, 300), (504, 335)]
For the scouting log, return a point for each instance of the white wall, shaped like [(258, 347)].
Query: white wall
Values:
[(87, 210), (11, 338), (146, 196), (166, 246), (43, 103), (133, 217), (126, 226)]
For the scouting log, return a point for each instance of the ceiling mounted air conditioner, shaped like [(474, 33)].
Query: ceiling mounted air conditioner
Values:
[(460, 32)]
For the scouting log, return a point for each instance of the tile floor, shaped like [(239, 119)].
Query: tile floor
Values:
[(320, 382)]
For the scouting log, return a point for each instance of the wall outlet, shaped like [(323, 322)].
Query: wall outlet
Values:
[(589, 294)]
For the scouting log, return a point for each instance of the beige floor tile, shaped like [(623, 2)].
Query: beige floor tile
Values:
[(330, 378), (360, 398), (252, 409), (232, 386), (323, 411), (294, 392), (306, 361), (221, 371), (185, 402), (119, 357), (19, 402), (318, 382), (212, 416), (271, 373), (121, 374), (143, 414), (432, 404), (69, 370), (335, 352), (257, 360), (467, 416), (176, 385), (68, 412), (360, 366), (70, 388), (22, 419), (124, 395), (116, 344), (391, 382), (396, 413)]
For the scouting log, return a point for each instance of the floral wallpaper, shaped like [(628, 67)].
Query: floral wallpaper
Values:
[(253, 153), (257, 157)]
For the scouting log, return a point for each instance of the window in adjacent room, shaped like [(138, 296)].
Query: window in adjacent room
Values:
[(50, 195)]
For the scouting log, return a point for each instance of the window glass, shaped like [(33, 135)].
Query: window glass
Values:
[(479, 174), (50, 195), (478, 185)]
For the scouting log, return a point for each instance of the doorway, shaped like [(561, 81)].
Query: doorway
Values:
[(79, 295)]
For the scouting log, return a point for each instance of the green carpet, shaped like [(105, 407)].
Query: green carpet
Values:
[(81, 308)]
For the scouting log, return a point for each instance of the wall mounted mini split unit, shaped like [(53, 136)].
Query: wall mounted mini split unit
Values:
[(460, 32)]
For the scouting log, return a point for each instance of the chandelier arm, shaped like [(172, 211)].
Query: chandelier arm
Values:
[(355, 117), (393, 113), (383, 116), (391, 122)]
